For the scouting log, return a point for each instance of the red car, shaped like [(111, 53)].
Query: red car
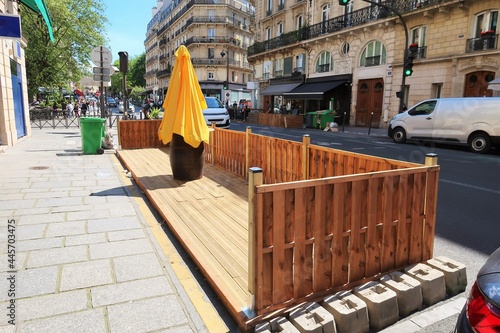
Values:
[(481, 313)]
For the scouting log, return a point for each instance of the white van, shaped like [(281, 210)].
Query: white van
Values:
[(216, 113), (472, 121)]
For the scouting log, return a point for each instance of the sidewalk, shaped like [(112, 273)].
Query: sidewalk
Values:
[(83, 254)]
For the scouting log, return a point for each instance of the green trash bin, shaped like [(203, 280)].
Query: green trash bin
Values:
[(326, 117), (311, 119), (92, 130)]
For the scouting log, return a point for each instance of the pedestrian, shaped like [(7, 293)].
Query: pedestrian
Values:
[(83, 108), (146, 109), (269, 108), (70, 109)]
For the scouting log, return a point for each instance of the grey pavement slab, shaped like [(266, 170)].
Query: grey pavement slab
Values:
[(146, 315), (32, 282), (86, 274), (65, 229), (137, 267), (113, 224), (64, 255), (120, 235), (120, 248), (76, 322)]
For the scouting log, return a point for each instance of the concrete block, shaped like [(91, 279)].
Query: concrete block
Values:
[(455, 276), (431, 281), (349, 312), (313, 318), (381, 302), (276, 325), (408, 291)]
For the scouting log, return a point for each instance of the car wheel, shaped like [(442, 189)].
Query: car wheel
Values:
[(399, 135), (480, 143)]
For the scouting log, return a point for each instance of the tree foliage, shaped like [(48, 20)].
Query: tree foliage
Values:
[(135, 75), (78, 27)]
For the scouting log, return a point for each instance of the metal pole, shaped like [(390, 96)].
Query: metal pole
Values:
[(343, 122), (403, 80), (103, 112), (370, 127)]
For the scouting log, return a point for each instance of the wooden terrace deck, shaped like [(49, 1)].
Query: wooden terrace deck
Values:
[(209, 216)]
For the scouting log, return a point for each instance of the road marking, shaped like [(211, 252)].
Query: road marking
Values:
[(470, 186)]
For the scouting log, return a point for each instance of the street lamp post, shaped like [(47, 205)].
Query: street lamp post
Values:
[(223, 54)]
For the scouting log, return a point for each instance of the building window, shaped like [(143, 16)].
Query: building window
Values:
[(325, 13), (211, 53), (299, 63), (300, 21), (270, 5), (345, 48), (324, 62), (278, 68), (211, 76), (437, 88), (418, 35), (486, 21), (280, 29), (268, 33), (210, 32), (374, 54), (243, 77)]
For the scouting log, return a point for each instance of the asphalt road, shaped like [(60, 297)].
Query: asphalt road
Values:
[(468, 212)]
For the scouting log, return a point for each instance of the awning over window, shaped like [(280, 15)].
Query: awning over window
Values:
[(313, 90), (279, 89), (39, 7)]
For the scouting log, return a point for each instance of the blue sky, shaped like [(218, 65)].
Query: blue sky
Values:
[(127, 24)]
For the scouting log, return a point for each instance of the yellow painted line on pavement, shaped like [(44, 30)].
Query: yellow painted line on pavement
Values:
[(206, 310)]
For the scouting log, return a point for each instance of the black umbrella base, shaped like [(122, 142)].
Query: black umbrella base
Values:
[(186, 162)]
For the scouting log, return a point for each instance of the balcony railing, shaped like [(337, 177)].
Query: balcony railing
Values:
[(355, 18), (214, 39), (324, 68), (269, 12), (278, 73), (281, 6), (419, 52), (372, 61), (163, 73), (482, 43), (209, 61)]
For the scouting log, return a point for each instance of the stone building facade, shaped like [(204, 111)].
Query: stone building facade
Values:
[(217, 35), (318, 55)]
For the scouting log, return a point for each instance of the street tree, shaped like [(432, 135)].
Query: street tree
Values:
[(135, 74), (78, 27)]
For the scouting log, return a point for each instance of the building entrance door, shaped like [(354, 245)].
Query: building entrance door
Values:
[(370, 97), (476, 84)]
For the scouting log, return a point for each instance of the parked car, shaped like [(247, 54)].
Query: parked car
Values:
[(468, 121), (131, 108), (216, 113), (111, 102), (481, 312)]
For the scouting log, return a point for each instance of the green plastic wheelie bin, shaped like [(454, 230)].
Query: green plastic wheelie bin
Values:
[(92, 130)]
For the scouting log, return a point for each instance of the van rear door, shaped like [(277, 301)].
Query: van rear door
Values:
[(421, 120)]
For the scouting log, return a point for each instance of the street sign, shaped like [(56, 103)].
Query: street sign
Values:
[(227, 94), (101, 56), (103, 78), (99, 70)]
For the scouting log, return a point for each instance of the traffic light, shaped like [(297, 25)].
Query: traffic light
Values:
[(225, 85), (408, 67), (343, 2), (123, 61)]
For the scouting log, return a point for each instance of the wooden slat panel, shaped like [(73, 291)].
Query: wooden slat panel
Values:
[(322, 257), (417, 216), (357, 257), (372, 242), (401, 213), (388, 241), (340, 253), (278, 229)]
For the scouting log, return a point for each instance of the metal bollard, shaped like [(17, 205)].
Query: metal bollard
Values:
[(370, 127)]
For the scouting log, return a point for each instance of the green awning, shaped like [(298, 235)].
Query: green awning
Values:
[(39, 7)]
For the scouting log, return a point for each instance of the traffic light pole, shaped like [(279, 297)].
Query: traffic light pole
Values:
[(403, 79)]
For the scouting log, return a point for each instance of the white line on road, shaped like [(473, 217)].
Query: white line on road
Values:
[(470, 186)]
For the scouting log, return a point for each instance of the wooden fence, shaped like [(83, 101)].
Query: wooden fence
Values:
[(320, 219), (139, 134)]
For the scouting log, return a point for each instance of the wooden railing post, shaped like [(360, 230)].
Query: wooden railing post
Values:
[(212, 144), (255, 178), (247, 150), (118, 133), (430, 205), (306, 141)]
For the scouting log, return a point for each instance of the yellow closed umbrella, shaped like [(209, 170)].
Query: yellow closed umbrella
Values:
[(183, 104)]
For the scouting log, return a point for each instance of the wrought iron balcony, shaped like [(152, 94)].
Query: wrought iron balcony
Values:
[(372, 61), (209, 61), (278, 73), (355, 18), (489, 42), (213, 39), (163, 73), (269, 12), (281, 6), (324, 68)]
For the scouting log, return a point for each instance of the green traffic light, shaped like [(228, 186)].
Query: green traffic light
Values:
[(343, 2), (408, 72)]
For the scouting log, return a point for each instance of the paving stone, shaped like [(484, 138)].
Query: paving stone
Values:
[(45, 194), (137, 267), (146, 315), (57, 202), (39, 244), (18, 263), (86, 274), (74, 208), (84, 183), (7, 213), (50, 305), (177, 329), (94, 199), (88, 215), (50, 183), (114, 236), (76, 322), (7, 329), (34, 282), (85, 239), (44, 216), (79, 193), (57, 256), (113, 224), (25, 232), (120, 248), (17, 204), (13, 195), (131, 290), (65, 229), (40, 211)]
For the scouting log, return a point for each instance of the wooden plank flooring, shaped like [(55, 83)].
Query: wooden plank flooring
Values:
[(209, 216)]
